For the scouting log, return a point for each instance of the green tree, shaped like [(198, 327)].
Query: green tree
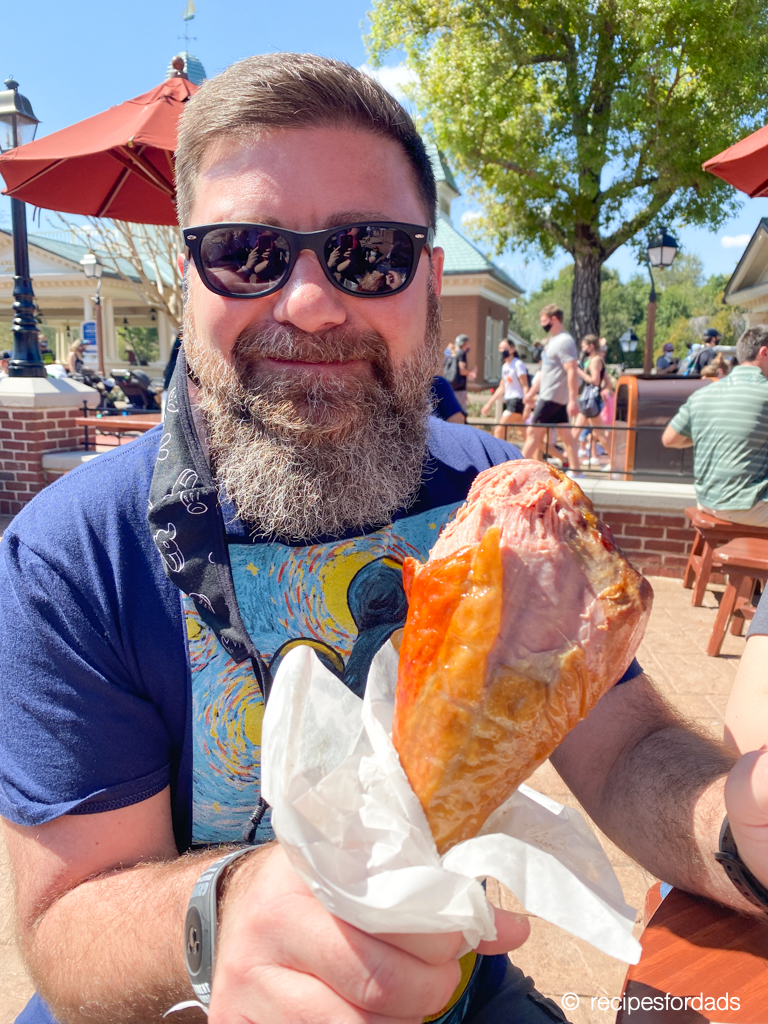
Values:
[(578, 122)]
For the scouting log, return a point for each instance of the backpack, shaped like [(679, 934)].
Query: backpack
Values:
[(451, 369)]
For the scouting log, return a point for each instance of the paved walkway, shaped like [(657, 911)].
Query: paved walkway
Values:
[(673, 653)]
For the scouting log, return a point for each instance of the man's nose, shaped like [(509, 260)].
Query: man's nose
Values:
[(308, 300)]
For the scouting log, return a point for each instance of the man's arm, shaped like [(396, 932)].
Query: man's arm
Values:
[(746, 716), (572, 373), (101, 901), (671, 439), (654, 786)]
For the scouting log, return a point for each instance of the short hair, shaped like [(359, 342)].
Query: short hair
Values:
[(750, 343), (552, 309), (591, 339), (279, 91), (461, 339)]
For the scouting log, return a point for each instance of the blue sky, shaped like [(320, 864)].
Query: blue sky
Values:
[(73, 60)]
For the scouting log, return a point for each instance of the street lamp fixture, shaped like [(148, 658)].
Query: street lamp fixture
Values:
[(662, 250), (93, 269), (17, 126)]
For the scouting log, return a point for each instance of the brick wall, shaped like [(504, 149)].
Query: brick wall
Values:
[(25, 434), (657, 543), (465, 314)]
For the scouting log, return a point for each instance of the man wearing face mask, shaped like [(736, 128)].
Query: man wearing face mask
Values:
[(557, 388)]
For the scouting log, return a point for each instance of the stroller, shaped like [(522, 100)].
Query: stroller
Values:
[(137, 388)]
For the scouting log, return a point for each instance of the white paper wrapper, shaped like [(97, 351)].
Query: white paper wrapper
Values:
[(344, 811)]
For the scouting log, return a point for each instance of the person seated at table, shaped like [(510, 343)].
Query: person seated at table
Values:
[(727, 424)]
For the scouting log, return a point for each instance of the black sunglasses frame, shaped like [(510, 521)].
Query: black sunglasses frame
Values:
[(421, 237)]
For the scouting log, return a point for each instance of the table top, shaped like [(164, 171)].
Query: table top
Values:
[(120, 424), (694, 948)]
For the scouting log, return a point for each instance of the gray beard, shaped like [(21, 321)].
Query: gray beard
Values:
[(305, 455)]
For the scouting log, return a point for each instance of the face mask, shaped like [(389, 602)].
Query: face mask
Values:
[(505, 353), (547, 327)]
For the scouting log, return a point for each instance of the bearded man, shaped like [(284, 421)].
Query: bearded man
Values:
[(147, 599)]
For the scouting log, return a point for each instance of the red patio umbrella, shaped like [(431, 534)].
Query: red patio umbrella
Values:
[(118, 164), (745, 164)]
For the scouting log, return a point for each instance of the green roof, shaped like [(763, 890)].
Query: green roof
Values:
[(74, 252), (462, 257), (440, 167)]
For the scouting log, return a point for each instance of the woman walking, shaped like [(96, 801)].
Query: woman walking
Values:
[(513, 385), (593, 373)]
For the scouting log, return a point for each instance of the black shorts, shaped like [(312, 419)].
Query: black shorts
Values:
[(550, 413), (513, 405)]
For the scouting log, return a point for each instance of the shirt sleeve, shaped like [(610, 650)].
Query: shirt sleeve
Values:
[(78, 733), (681, 421), (759, 624), (568, 351)]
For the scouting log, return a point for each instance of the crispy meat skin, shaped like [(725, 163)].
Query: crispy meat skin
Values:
[(524, 615)]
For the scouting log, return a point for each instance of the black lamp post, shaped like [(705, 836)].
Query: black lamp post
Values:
[(17, 126), (661, 251)]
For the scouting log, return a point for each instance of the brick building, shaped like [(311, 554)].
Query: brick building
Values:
[(476, 293)]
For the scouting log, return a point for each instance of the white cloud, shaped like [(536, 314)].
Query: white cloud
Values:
[(394, 79), (469, 217), (734, 241)]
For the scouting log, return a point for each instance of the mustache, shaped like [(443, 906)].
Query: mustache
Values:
[(333, 345)]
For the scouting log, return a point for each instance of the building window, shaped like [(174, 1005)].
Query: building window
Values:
[(494, 332)]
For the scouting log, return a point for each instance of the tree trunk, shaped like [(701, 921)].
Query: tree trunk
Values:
[(585, 296)]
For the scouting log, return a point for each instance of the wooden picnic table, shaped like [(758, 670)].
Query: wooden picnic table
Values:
[(697, 949)]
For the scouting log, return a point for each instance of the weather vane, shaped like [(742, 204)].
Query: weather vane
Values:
[(187, 16)]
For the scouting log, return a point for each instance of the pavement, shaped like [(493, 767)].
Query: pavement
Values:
[(673, 654)]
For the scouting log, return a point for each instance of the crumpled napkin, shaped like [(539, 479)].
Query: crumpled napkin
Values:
[(355, 832)]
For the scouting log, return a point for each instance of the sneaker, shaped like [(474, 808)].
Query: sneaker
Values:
[(600, 450), (574, 474), (583, 453)]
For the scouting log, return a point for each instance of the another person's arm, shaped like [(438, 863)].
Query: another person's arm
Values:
[(572, 373), (530, 395), (498, 393), (655, 786)]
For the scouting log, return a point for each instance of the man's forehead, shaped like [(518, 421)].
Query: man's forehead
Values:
[(329, 176)]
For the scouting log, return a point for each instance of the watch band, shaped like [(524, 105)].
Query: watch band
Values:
[(201, 925), (738, 872)]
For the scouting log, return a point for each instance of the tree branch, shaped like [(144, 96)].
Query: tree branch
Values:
[(637, 223), (526, 172)]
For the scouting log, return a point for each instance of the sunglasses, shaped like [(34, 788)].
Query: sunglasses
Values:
[(249, 261)]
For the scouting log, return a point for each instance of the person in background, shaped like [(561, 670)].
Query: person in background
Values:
[(706, 353), (557, 388), (5, 358), (717, 369), (75, 362), (667, 363), (513, 385), (444, 404), (463, 372), (593, 374), (727, 425)]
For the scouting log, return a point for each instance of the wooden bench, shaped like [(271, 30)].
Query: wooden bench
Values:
[(117, 426), (711, 533), (745, 561)]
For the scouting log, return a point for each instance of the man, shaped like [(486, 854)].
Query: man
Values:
[(667, 363), (706, 353), (5, 358), (556, 389), (458, 372), (147, 598), (727, 425)]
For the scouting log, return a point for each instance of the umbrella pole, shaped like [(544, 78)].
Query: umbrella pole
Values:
[(26, 361)]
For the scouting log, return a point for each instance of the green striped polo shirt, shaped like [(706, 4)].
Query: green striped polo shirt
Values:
[(728, 421)]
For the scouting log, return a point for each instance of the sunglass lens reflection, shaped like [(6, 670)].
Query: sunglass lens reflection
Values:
[(370, 260), (244, 261)]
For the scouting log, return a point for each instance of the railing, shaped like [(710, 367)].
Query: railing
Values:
[(620, 461)]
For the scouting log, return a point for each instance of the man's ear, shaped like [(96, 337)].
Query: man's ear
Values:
[(437, 261)]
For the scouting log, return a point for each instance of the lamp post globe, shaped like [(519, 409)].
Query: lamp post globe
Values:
[(17, 126), (661, 251)]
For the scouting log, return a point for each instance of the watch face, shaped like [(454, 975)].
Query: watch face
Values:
[(193, 940)]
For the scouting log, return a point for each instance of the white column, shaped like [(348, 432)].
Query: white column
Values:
[(108, 331), (164, 336), (62, 349), (87, 307)]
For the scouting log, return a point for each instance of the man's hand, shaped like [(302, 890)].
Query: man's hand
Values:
[(746, 800), (573, 409), (283, 958)]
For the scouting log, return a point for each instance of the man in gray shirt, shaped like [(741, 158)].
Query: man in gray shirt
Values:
[(555, 388)]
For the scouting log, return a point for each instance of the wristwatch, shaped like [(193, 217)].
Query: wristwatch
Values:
[(737, 870), (201, 924)]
